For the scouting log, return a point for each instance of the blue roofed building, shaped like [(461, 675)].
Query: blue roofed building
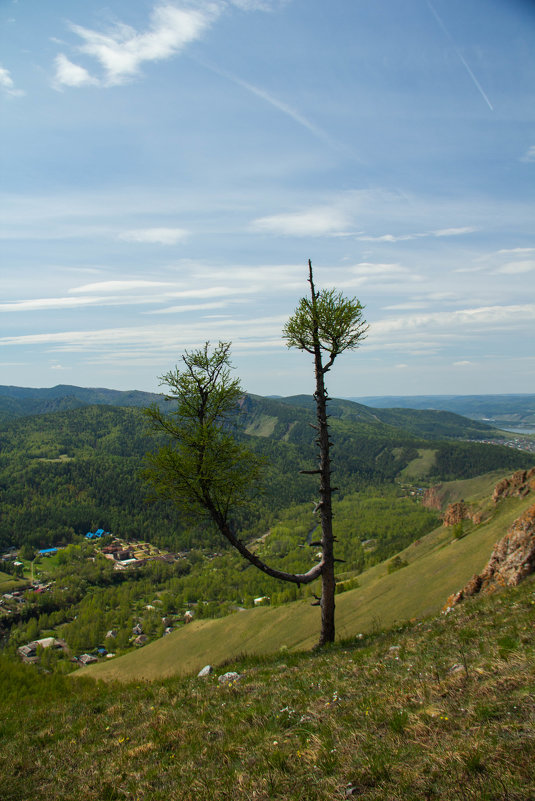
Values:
[(92, 535)]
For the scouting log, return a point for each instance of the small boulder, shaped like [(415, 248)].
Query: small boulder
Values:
[(229, 677), (206, 671)]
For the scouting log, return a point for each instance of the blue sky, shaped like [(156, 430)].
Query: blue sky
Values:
[(169, 167)]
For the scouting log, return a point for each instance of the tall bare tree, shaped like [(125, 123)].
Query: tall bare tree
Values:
[(325, 325)]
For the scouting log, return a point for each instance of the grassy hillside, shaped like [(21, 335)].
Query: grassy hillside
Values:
[(438, 565), (440, 709)]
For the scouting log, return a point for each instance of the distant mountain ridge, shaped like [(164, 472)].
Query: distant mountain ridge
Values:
[(423, 420), (513, 409), (23, 401)]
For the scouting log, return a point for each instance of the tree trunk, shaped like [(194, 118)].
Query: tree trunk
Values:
[(325, 504)]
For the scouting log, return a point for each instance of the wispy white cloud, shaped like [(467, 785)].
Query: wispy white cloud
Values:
[(120, 286), (121, 52), (382, 276), (516, 267), (388, 237), (190, 307), (407, 237), (517, 250), (454, 323), (41, 304), (372, 269), (321, 221), (166, 338), (529, 155), (467, 229), (7, 84), (161, 236), (69, 74), (463, 363), (409, 306)]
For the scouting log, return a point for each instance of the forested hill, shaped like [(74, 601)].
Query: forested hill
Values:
[(22, 401), (427, 423), (66, 471), (421, 422)]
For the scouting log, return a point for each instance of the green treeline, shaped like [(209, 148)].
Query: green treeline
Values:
[(64, 473)]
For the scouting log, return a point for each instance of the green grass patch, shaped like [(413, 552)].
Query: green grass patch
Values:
[(420, 467), (427, 710), (9, 583)]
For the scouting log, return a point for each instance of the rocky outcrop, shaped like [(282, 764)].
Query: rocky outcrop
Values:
[(519, 484), (431, 497), (512, 559), (455, 513)]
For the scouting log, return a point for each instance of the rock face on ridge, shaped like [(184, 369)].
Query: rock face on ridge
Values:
[(457, 512), (519, 484), (431, 497), (512, 559)]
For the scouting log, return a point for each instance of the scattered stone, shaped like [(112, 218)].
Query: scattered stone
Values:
[(206, 671), (227, 678)]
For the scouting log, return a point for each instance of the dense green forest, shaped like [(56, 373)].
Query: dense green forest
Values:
[(64, 472)]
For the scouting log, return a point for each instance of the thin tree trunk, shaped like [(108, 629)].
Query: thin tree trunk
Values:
[(325, 505)]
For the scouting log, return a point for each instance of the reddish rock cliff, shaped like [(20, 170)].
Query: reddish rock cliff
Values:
[(512, 559), (520, 483), (431, 497), (455, 513)]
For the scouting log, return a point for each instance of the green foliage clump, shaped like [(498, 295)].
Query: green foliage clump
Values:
[(396, 564)]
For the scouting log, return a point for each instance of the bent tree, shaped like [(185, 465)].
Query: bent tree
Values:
[(203, 469), (325, 325), (206, 472)]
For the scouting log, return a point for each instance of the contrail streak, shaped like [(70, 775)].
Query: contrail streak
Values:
[(461, 57), (283, 107)]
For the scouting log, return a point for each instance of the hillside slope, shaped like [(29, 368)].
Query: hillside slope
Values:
[(438, 565), (437, 710)]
